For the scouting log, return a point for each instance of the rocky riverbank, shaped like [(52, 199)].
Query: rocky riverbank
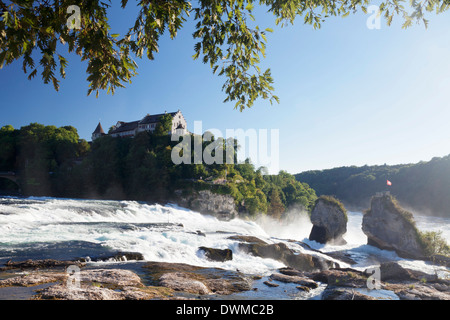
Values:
[(315, 278)]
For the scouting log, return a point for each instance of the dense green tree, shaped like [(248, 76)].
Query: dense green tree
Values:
[(54, 161), (38, 152), (107, 164), (276, 208), (8, 143), (226, 39), (164, 125)]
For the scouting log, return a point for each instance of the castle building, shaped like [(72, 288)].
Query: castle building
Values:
[(148, 123), (98, 132)]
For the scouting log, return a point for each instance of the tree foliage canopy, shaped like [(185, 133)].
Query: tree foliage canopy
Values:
[(225, 37), (53, 161)]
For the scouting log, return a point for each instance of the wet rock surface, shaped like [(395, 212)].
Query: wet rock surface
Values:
[(335, 293), (96, 284), (390, 227), (329, 221), (220, 205), (248, 239), (198, 280), (31, 280), (39, 264), (163, 280), (214, 254), (281, 252), (419, 291), (300, 280), (119, 256), (63, 292), (405, 284)]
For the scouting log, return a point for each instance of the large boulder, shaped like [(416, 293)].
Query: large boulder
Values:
[(281, 252), (337, 293), (390, 227), (221, 206), (420, 291), (214, 254), (342, 277), (393, 271), (329, 219)]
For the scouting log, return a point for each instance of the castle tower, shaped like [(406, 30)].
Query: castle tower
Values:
[(98, 132)]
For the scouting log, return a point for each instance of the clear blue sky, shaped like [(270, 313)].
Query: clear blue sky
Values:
[(349, 95)]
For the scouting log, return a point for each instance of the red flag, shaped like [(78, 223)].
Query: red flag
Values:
[(388, 183)]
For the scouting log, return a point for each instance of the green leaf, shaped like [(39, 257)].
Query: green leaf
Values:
[(32, 74), (2, 58)]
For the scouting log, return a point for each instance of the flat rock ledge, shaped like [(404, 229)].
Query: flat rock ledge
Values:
[(40, 264), (178, 280), (198, 280), (95, 284), (31, 280), (121, 284), (351, 284), (304, 283), (62, 292)]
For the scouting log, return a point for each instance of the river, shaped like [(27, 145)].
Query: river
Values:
[(42, 228)]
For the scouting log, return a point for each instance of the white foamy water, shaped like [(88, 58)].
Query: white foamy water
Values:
[(160, 233), (51, 228)]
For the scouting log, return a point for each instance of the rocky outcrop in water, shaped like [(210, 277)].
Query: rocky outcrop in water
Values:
[(281, 252), (394, 271), (297, 279), (390, 227), (214, 254), (341, 293), (204, 201), (329, 221)]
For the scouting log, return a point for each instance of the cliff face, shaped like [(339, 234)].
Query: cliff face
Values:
[(206, 202), (388, 226), (329, 221)]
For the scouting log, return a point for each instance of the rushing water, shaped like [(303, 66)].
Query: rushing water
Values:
[(39, 228)]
